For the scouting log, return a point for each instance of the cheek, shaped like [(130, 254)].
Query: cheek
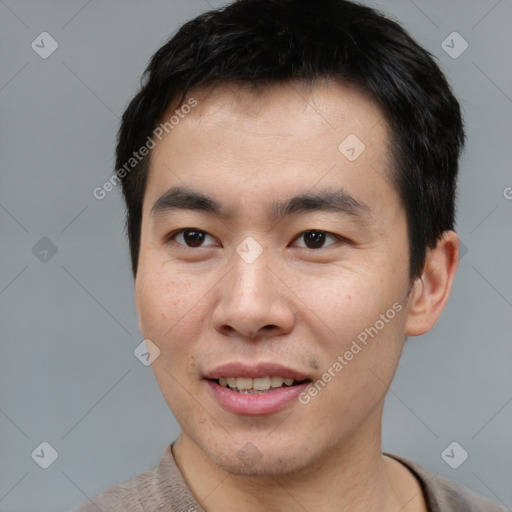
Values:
[(359, 361), (346, 301), (363, 317), (169, 307), (171, 314)]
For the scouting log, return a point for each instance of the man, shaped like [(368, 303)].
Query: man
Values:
[(289, 171)]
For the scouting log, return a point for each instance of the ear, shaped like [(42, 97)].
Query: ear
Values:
[(431, 290), (138, 283)]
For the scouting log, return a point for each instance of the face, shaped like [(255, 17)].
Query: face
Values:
[(274, 246)]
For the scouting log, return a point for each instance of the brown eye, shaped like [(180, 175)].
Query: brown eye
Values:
[(314, 239), (189, 237)]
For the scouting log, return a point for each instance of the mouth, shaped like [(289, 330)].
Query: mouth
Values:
[(254, 390), (258, 385)]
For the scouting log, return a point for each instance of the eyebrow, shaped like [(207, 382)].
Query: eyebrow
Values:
[(336, 201)]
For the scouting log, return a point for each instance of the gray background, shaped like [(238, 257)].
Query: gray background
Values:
[(68, 328)]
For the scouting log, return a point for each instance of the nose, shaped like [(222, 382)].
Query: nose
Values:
[(254, 302)]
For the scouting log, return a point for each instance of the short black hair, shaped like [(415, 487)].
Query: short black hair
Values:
[(264, 42)]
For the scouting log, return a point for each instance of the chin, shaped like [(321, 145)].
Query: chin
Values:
[(266, 466), (265, 460)]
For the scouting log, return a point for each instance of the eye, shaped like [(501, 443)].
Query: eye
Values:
[(315, 239), (190, 237)]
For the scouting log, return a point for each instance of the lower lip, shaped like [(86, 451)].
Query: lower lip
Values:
[(255, 403)]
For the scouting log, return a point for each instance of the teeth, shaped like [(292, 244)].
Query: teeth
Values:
[(261, 383), (244, 383), (258, 384), (276, 382)]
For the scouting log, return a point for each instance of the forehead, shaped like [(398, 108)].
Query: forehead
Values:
[(323, 104), (286, 137)]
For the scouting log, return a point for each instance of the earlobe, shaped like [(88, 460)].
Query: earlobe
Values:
[(431, 290)]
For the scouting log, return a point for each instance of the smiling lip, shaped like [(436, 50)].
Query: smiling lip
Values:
[(254, 371), (257, 403)]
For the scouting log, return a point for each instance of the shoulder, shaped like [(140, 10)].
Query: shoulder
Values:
[(445, 495), (161, 489), (126, 497)]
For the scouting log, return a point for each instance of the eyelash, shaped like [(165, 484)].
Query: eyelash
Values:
[(171, 236)]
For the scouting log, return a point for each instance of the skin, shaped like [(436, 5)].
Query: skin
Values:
[(299, 306)]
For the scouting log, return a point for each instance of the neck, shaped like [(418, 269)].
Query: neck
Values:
[(352, 475)]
